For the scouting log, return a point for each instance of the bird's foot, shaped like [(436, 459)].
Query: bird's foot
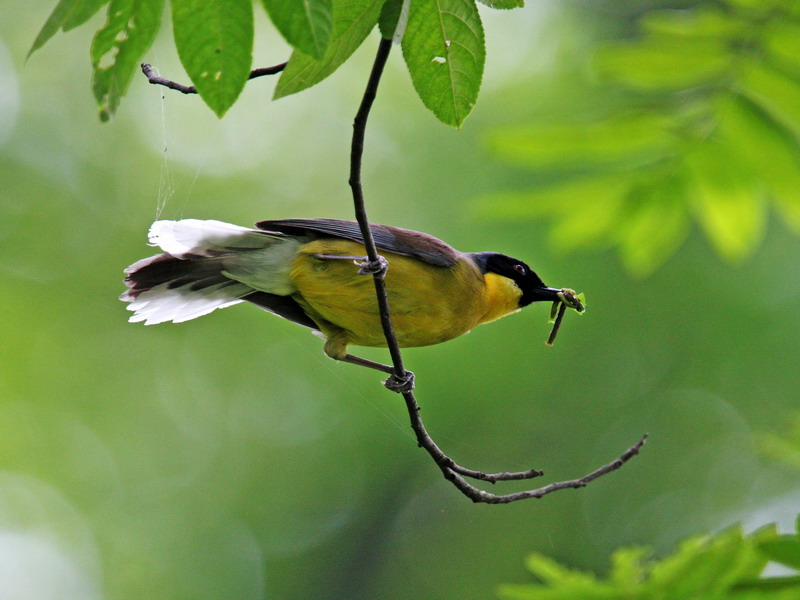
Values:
[(373, 267), (401, 385), (367, 266)]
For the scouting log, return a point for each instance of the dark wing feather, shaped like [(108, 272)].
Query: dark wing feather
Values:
[(393, 239), (283, 306)]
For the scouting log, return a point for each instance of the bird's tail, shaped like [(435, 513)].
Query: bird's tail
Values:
[(190, 279)]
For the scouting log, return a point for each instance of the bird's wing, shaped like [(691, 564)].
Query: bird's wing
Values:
[(283, 306), (393, 239)]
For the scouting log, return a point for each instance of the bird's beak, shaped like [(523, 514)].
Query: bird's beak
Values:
[(548, 294)]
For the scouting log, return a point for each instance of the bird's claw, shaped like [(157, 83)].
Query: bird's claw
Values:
[(401, 385), (369, 267)]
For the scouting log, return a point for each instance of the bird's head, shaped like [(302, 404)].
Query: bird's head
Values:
[(531, 286)]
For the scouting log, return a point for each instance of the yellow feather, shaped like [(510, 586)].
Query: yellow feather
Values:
[(429, 304)]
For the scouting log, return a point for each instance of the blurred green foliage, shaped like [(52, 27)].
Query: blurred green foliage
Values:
[(785, 445), (697, 119), (724, 566)]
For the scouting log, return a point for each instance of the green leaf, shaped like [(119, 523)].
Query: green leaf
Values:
[(627, 570), (782, 40), (778, 94), (784, 549), (352, 22), (503, 4), (770, 151), (444, 50), (67, 15), (759, 7), (784, 447), (700, 22), (214, 39), (705, 567), (771, 588), (306, 24), (664, 63), (554, 312), (726, 202), (654, 224), (584, 211), (118, 46), (640, 136), (723, 567), (389, 17)]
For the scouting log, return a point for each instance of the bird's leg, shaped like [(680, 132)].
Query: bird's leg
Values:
[(367, 267), (394, 383), (336, 348), (363, 362)]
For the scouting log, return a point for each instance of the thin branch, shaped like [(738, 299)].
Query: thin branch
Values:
[(479, 495), (402, 380), (150, 73), (356, 152)]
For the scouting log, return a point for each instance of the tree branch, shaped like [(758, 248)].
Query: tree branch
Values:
[(150, 73), (356, 152), (402, 380)]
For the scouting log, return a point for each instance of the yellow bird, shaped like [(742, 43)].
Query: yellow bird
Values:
[(302, 270)]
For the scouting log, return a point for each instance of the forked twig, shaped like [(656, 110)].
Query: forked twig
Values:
[(402, 380), (150, 73)]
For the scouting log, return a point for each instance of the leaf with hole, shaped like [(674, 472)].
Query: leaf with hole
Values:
[(444, 50), (214, 39), (503, 4), (118, 46), (67, 15)]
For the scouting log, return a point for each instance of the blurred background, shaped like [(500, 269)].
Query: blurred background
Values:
[(229, 458)]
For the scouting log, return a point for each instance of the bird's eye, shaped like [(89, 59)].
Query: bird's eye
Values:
[(519, 269)]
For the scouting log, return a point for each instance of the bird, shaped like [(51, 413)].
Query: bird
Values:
[(302, 270)]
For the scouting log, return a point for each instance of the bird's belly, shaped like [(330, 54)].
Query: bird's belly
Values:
[(424, 307)]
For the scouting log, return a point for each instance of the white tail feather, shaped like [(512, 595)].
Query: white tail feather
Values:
[(201, 238), (161, 303), (207, 265)]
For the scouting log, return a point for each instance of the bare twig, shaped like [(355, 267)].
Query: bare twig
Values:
[(150, 73), (401, 376), (479, 495), (402, 380)]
